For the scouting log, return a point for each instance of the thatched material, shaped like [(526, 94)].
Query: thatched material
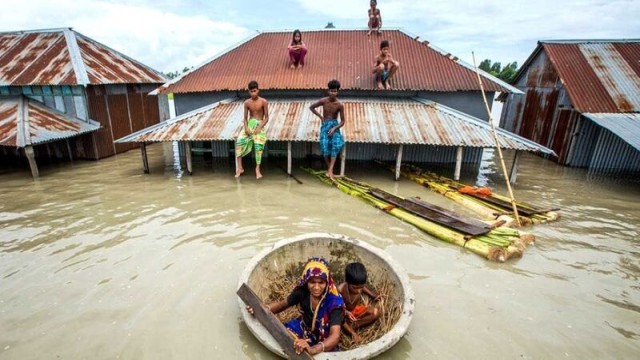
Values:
[(281, 285)]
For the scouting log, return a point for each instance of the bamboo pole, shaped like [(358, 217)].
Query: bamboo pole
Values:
[(145, 160), (343, 159), (398, 162), (31, 157), (495, 138), (289, 158), (187, 151), (456, 175)]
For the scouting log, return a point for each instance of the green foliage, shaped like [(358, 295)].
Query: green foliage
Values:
[(175, 74), (505, 73)]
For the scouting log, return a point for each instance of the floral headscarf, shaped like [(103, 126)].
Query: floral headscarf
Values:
[(331, 298)]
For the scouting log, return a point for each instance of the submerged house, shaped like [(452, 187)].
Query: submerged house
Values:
[(581, 99), (66, 96), (435, 112)]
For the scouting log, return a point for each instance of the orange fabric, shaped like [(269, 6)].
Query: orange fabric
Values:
[(472, 190), (359, 310)]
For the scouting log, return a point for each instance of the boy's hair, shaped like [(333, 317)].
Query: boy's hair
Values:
[(355, 274), (384, 44), (374, 2), (252, 85), (334, 84)]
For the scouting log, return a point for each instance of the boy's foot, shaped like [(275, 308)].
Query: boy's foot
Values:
[(387, 86), (369, 33), (380, 86), (330, 176), (292, 66), (258, 174), (239, 172)]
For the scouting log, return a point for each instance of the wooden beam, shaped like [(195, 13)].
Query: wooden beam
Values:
[(398, 162), (145, 161), (513, 174), (31, 156), (187, 153), (289, 155), (270, 322), (343, 159), (456, 175), (69, 150)]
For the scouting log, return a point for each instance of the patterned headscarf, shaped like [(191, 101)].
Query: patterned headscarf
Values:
[(331, 298)]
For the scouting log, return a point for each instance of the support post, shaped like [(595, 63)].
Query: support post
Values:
[(456, 175), (145, 161), (289, 155), (69, 150), (343, 159), (513, 174), (187, 151), (398, 162), (31, 156)]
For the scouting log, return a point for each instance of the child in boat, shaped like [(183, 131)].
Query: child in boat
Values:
[(357, 313), (297, 50), (331, 140), (252, 135), (385, 67), (321, 306), (375, 20)]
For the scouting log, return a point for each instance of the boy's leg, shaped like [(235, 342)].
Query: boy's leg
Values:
[(258, 148), (379, 74), (303, 52), (239, 168), (292, 57), (330, 165), (369, 317)]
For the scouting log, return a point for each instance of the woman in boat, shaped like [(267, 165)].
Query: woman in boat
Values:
[(317, 329)]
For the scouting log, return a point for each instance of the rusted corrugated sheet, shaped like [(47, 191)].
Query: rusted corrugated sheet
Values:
[(600, 76), (25, 122), (401, 121), (346, 55), (66, 57), (625, 126)]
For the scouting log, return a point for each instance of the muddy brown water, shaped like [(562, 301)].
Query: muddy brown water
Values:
[(101, 261)]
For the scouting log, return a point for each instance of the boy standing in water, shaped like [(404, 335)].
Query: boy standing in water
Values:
[(357, 314), (385, 66), (331, 141), (256, 116)]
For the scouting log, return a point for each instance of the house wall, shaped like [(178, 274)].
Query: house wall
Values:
[(120, 109)]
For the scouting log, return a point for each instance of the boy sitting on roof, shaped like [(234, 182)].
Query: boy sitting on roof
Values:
[(385, 66), (252, 135)]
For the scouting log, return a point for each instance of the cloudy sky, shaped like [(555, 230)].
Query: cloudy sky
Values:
[(169, 35)]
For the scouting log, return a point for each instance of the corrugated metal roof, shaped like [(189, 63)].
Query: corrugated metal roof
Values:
[(26, 122), (66, 57), (600, 76), (389, 121), (625, 126), (346, 55)]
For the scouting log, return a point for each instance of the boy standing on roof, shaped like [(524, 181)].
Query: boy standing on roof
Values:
[(331, 141), (256, 116), (385, 66)]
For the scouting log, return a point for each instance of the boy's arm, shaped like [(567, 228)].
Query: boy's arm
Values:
[(315, 105), (245, 123), (370, 293), (341, 124), (265, 117)]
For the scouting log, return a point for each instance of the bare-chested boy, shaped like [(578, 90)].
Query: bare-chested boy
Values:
[(331, 141), (256, 116), (358, 314), (386, 66)]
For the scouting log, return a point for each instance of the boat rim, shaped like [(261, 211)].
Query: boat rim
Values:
[(369, 350)]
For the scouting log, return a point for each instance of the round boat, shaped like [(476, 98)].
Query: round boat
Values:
[(339, 250)]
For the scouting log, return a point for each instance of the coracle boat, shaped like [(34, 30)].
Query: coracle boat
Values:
[(287, 258)]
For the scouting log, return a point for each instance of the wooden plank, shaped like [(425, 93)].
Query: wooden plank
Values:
[(451, 214), (430, 213), (270, 322), (522, 209)]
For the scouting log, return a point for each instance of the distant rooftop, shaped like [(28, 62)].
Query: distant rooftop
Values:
[(65, 57), (346, 55)]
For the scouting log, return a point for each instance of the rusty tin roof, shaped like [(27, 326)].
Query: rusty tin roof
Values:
[(66, 57), (389, 121), (346, 55), (25, 122), (600, 76)]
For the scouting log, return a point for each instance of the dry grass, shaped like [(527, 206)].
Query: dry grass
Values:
[(280, 285)]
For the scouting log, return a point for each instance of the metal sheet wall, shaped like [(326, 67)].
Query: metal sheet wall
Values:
[(611, 154)]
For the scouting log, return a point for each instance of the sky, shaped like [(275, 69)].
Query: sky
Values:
[(169, 35)]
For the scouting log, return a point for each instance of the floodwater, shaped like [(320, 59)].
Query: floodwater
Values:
[(101, 261)]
